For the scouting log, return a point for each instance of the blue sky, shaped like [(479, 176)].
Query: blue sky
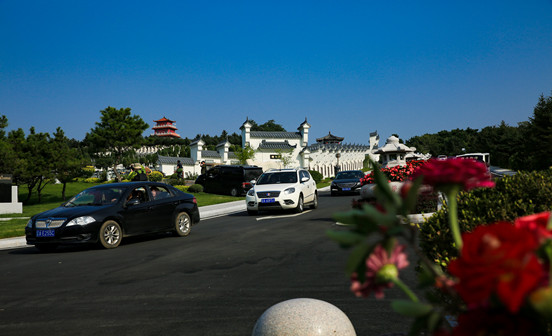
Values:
[(349, 67)]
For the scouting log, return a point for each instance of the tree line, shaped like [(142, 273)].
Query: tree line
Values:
[(36, 159), (527, 146)]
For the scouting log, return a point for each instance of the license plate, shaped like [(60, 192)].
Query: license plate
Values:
[(346, 189), (268, 200), (46, 233)]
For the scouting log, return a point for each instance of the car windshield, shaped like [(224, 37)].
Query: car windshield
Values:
[(348, 175), (278, 177), (96, 196)]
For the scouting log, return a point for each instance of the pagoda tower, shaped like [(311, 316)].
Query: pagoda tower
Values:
[(165, 128), (330, 139)]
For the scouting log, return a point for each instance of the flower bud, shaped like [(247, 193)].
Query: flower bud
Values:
[(541, 300), (387, 274)]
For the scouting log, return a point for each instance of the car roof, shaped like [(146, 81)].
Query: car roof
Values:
[(129, 184), (283, 170)]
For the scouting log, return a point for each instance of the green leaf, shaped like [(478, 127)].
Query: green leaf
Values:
[(411, 309), (433, 320), (356, 263), (409, 203)]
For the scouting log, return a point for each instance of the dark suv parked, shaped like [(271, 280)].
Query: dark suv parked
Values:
[(229, 179)]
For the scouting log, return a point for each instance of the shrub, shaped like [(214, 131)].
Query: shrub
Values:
[(88, 171), (181, 188), (316, 176), (92, 180), (174, 181), (522, 194), (195, 188), (155, 176)]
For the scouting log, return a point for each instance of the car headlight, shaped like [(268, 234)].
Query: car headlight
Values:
[(251, 192), (289, 191), (81, 220), (30, 223)]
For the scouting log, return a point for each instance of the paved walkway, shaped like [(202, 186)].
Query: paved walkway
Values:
[(205, 212)]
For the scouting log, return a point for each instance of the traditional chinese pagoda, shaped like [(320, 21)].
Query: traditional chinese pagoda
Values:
[(165, 128), (330, 139)]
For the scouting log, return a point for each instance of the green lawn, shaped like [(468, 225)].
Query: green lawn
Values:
[(51, 198)]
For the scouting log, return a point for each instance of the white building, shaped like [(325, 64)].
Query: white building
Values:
[(278, 150), (323, 156)]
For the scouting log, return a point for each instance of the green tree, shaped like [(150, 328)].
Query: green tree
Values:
[(7, 153), (285, 157), (67, 162), (36, 164), (244, 154), (117, 132), (538, 135), (269, 126)]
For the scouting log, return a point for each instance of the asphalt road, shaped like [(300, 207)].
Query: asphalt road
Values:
[(217, 281)]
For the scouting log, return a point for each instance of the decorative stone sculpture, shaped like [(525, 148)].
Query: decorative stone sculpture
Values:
[(301, 317)]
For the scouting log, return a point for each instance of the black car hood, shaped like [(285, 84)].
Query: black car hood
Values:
[(346, 180), (72, 212)]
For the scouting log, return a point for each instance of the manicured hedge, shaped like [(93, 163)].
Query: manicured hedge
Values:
[(195, 188), (522, 194), (316, 176)]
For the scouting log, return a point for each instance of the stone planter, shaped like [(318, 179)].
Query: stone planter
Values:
[(303, 317)]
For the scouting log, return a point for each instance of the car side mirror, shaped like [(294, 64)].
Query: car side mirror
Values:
[(133, 201), (304, 179)]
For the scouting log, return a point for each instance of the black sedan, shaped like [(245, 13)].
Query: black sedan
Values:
[(106, 213), (346, 181)]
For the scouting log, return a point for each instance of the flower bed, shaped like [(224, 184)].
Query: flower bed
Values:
[(498, 285)]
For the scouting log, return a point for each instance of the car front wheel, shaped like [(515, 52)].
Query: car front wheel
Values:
[(314, 204), (110, 234), (183, 224), (300, 204)]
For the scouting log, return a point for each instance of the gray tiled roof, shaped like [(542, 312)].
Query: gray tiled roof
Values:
[(275, 135), (186, 161), (342, 147), (276, 145), (210, 154)]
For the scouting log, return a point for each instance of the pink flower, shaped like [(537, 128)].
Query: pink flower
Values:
[(380, 269)]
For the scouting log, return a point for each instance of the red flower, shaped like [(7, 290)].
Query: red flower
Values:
[(537, 223), (498, 259), (467, 173), (485, 322)]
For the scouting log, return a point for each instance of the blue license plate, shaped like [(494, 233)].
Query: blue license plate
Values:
[(46, 233), (268, 200), (346, 189)]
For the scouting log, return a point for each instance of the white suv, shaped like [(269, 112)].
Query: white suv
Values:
[(279, 189)]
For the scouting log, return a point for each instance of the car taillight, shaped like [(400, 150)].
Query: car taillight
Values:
[(195, 200), (246, 185)]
